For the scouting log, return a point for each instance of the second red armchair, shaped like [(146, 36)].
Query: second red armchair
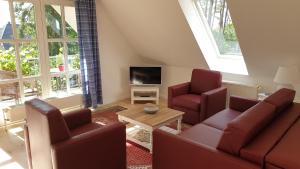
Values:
[(200, 98)]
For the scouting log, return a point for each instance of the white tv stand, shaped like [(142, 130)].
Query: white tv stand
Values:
[(145, 93)]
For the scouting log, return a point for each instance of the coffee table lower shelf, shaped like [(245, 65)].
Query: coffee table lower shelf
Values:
[(143, 137)]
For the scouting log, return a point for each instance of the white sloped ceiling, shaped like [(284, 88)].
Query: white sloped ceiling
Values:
[(157, 29), (268, 31)]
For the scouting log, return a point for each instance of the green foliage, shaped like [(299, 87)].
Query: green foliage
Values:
[(76, 62), (24, 13), (7, 60), (53, 18), (229, 33)]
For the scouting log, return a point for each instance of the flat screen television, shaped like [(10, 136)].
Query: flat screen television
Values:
[(145, 75)]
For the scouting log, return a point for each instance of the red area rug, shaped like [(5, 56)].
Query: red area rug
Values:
[(137, 156)]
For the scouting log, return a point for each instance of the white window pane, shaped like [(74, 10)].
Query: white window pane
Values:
[(73, 56), (56, 57), (29, 59), (6, 31), (7, 61), (32, 89), (53, 21), (75, 83), (71, 24), (9, 94), (25, 20), (59, 86), (220, 23)]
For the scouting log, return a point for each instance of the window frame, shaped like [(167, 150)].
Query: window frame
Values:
[(16, 41), (64, 40), (211, 37), (41, 40), (207, 43)]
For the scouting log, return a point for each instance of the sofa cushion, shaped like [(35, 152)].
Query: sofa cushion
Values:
[(245, 127), (205, 80), (269, 137), (221, 119), (287, 152), (204, 134), (190, 101), (85, 128), (281, 99)]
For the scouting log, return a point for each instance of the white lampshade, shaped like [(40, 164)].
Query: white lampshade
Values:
[(287, 75)]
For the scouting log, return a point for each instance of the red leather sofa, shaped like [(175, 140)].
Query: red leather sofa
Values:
[(71, 141), (200, 98), (247, 135)]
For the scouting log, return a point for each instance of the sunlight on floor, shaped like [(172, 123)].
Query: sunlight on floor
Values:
[(5, 161), (4, 156), (18, 131), (13, 165)]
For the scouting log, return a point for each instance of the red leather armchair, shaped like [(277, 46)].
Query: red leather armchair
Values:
[(200, 98), (71, 140)]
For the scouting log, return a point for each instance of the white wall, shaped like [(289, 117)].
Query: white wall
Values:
[(157, 29), (116, 55)]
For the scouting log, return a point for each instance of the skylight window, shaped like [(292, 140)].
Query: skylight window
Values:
[(219, 21), (213, 29)]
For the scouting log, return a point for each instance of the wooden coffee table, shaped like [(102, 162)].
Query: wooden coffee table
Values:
[(141, 125)]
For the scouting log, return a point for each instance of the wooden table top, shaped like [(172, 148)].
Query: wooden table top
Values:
[(163, 115)]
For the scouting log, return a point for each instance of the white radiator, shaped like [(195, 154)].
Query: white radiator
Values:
[(240, 89), (17, 112)]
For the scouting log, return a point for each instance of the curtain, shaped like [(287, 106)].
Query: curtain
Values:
[(89, 52)]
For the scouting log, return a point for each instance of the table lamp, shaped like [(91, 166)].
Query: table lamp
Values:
[(286, 77)]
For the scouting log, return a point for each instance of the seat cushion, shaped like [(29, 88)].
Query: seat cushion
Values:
[(221, 119), (287, 152), (204, 134), (269, 137), (204, 80), (281, 99), (85, 128), (189, 101), (245, 127)]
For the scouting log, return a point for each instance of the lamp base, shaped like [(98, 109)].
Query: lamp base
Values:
[(288, 86)]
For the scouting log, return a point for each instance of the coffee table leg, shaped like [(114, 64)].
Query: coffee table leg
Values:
[(151, 142), (179, 125)]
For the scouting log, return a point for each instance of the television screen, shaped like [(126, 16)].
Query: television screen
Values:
[(145, 75)]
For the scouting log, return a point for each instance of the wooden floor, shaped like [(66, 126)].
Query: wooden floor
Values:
[(12, 150)]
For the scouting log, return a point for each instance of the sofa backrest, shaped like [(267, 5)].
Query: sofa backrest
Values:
[(281, 99), (204, 80), (245, 127)]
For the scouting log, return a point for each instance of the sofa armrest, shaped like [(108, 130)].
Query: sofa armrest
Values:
[(213, 102), (177, 90), (241, 104), (100, 148), (77, 118), (175, 152)]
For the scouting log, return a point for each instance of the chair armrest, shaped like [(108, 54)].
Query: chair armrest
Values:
[(100, 148), (77, 118), (177, 90), (175, 152), (213, 102), (241, 104)]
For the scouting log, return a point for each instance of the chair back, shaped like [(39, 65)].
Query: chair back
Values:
[(46, 126), (205, 80)]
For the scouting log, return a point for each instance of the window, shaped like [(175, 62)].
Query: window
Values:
[(213, 29), (39, 52), (63, 50), (218, 18)]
